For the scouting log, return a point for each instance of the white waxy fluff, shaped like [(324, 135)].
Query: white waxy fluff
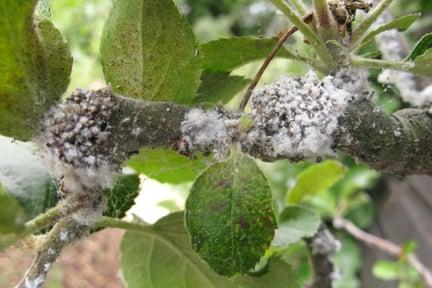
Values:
[(296, 117)]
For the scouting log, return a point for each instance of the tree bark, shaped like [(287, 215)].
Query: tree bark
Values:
[(398, 143)]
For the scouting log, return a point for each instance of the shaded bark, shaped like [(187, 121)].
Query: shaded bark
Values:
[(399, 143)]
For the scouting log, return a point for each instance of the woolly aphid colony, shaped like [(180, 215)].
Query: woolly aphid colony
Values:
[(74, 132), (294, 117)]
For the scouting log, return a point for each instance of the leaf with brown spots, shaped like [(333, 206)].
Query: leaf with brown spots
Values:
[(229, 215)]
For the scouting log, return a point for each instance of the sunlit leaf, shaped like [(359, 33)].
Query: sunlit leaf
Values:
[(166, 165), (316, 179), (386, 270), (295, 223), (149, 51), (224, 55)]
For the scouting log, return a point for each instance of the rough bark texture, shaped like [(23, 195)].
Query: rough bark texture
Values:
[(399, 143), (138, 123)]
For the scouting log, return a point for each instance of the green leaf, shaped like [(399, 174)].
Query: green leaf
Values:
[(401, 23), (161, 256), (229, 215), (224, 55), (295, 223), (35, 69), (25, 178), (421, 46), (166, 165), (149, 51), (423, 63), (386, 270), (279, 275), (219, 87), (12, 217), (122, 196), (316, 179)]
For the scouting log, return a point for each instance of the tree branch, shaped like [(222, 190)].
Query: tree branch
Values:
[(40, 222), (397, 143), (385, 246), (321, 248), (64, 232)]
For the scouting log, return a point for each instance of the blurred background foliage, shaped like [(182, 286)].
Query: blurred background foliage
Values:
[(81, 22)]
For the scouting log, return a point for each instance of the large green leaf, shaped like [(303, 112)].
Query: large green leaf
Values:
[(161, 256), (224, 55), (35, 67), (316, 179), (423, 63), (122, 196), (421, 46), (219, 87), (166, 165), (229, 215), (25, 178), (149, 51), (295, 223), (11, 214)]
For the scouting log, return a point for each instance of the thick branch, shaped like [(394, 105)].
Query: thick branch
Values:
[(399, 143), (139, 123)]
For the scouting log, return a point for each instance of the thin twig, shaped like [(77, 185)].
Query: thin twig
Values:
[(322, 246), (307, 19), (42, 221), (385, 246)]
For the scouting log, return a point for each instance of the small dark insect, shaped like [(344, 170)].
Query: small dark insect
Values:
[(182, 147), (62, 192)]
